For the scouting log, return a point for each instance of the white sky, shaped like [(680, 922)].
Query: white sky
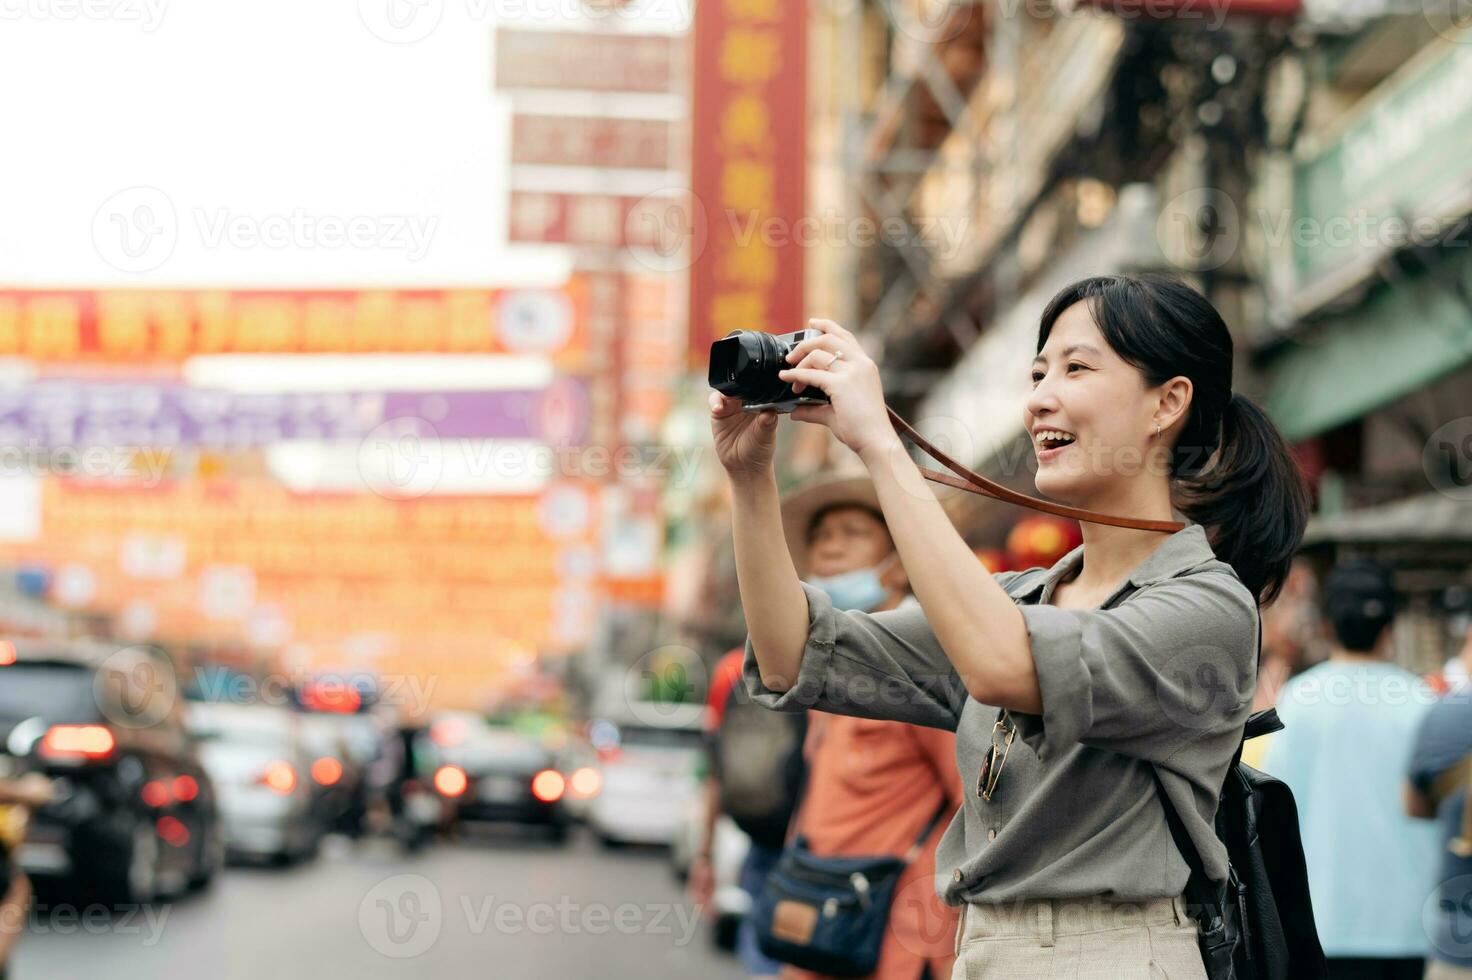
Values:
[(230, 113)]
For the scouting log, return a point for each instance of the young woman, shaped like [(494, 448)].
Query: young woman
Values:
[(1077, 693)]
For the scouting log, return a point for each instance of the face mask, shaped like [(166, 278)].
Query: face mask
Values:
[(859, 590)]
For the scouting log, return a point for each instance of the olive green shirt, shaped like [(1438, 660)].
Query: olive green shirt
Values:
[(1160, 677)]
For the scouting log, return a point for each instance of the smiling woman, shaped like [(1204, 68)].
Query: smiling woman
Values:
[(1072, 690)]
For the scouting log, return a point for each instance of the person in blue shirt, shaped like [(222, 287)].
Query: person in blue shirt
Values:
[(1443, 745), (1349, 724)]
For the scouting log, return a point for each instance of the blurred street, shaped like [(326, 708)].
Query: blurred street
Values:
[(304, 922)]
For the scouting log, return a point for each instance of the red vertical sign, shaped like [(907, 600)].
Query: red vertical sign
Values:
[(748, 167)]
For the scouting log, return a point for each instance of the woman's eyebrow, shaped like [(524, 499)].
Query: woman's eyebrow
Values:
[(1072, 349)]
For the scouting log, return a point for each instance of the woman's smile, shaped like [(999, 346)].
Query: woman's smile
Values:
[(1050, 442)]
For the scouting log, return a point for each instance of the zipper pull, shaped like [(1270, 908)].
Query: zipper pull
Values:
[(861, 885), (830, 908)]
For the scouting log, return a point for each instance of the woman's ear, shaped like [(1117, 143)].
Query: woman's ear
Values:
[(1174, 403)]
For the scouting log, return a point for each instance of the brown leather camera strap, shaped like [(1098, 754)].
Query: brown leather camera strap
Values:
[(976, 483)]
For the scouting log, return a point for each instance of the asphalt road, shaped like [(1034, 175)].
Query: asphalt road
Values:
[(500, 906)]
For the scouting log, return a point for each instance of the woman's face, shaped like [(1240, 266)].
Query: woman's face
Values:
[(1090, 414)]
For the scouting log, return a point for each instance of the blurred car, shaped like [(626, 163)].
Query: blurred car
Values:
[(344, 723), (261, 768), (650, 765), (134, 816), (335, 774), (579, 761), (496, 775)]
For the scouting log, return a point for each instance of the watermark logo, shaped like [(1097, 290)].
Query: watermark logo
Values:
[(1200, 686), (401, 21), (1200, 228), (402, 459), (136, 230), (663, 687), (1446, 459), (135, 687), (401, 917), (667, 230), (148, 14), (1446, 917)]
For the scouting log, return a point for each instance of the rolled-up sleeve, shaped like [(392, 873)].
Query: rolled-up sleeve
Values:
[(1174, 664), (886, 666)]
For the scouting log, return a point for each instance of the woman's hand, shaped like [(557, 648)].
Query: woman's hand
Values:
[(835, 362), (745, 441)]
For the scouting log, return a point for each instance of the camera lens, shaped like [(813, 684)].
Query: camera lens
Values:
[(744, 365)]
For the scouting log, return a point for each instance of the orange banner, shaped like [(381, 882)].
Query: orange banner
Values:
[(138, 325), (454, 585)]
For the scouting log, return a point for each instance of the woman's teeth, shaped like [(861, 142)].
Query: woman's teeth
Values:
[(1051, 438)]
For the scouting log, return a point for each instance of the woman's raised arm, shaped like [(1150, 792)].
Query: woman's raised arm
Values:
[(771, 597)]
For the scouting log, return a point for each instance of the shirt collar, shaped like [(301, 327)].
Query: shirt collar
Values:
[(1184, 549)]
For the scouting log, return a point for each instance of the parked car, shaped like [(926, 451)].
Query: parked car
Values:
[(134, 816), (258, 759), (650, 765), (489, 774)]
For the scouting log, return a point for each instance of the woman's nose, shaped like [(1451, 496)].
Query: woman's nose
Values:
[(1041, 401)]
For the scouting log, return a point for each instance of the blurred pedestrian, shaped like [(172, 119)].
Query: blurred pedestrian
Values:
[(765, 756), (18, 797), (1349, 725), (874, 787), (1077, 719), (1439, 774)]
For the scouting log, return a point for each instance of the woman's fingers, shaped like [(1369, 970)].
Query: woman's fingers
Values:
[(826, 342), (832, 329), (722, 407), (808, 376), (818, 412)]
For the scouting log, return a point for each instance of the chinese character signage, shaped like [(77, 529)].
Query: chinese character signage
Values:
[(748, 167)]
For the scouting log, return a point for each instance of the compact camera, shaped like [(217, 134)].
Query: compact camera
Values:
[(744, 366)]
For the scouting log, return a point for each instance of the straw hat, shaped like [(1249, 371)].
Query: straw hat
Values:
[(801, 505)]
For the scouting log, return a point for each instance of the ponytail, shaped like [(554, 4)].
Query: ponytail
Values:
[(1231, 470), (1252, 499)]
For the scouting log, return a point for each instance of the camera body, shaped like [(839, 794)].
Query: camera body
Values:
[(744, 366)]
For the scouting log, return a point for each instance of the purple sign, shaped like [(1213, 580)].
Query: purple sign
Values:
[(56, 413)]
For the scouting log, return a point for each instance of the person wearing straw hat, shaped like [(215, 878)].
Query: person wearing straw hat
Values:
[(1088, 699), (849, 807)]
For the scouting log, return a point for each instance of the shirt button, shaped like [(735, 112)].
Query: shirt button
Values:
[(957, 875), (991, 834)]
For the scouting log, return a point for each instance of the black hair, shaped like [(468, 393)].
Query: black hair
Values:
[(1359, 602), (1233, 472), (827, 509)]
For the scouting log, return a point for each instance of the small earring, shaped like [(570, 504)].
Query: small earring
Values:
[(1157, 430)]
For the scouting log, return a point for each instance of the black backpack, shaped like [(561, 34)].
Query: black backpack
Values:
[(758, 764), (1259, 923)]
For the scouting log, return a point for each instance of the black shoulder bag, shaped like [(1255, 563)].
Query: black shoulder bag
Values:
[(1259, 923), (828, 914)]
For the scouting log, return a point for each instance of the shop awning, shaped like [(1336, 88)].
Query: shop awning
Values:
[(1431, 518), (1405, 336)]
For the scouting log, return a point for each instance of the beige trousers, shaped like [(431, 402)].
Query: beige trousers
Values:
[(1078, 939)]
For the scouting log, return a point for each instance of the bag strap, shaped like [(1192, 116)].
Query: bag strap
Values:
[(1201, 890), (919, 844), (976, 483)]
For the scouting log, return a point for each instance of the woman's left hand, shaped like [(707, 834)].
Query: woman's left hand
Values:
[(835, 362)]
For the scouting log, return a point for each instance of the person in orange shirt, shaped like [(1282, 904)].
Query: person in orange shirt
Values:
[(874, 786)]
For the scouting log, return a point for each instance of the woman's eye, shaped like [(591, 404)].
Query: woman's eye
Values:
[(1081, 367), (1037, 377)]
